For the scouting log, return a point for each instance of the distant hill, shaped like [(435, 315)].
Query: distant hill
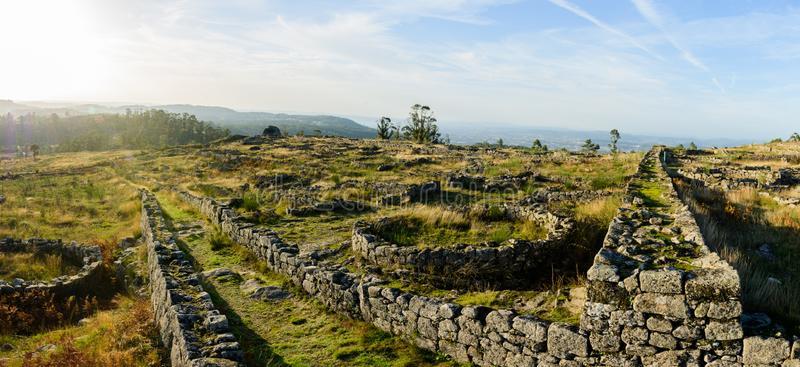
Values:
[(250, 123), (247, 123)]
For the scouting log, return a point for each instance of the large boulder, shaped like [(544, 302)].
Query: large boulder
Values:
[(272, 132)]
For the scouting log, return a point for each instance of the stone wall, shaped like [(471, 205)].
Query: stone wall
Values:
[(657, 297), (506, 265), (481, 335), (85, 282), (193, 330), (657, 294)]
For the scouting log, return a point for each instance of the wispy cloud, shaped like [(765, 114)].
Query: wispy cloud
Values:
[(464, 11), (649, 11), (577, 10)]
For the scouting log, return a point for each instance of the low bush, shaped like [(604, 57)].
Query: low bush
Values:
[(219, 240)]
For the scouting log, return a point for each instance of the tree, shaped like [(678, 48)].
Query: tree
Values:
[(538, 147), (614, 139), (500, 142), (795, 137), (692, 146), (589, 147), (385, 128), (421, 126)]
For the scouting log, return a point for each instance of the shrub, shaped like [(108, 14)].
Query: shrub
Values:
[(250, 201), (35, 310), (219, 240)]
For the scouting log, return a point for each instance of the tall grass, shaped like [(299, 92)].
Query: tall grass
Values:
[(737, 224), (437, 216), (430, 226), (31, 266), (122, 337)]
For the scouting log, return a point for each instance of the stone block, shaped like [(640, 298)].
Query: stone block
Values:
[(662, 304), (724, 310), (713, 285), (564, 341), (765, 351), (724, 330), (661, 281), (659, 324)]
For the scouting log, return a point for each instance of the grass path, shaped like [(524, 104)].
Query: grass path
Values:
[(294, 332)]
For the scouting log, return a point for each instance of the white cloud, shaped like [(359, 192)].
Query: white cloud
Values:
[(356, 60), (575, 9), (649, 11)]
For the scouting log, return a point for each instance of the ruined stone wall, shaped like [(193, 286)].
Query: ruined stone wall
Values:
[(83, 283), (655, 298), (657, 294), (505, 265), (755, 350), (480, 335), (193, 330)]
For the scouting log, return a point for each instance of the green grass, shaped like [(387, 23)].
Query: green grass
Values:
[(297, 331), (95, 206), (652, 193), (30, 266), (429, 226)]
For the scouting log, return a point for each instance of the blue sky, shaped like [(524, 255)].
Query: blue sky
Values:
[(699, 68)]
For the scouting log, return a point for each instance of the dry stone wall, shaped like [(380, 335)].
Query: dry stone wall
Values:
[(480, 335), (191, 327), (657, 296), (506, 265), (83, 283), (756, 350)]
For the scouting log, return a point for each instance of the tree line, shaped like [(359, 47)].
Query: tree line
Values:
[(131, 130)]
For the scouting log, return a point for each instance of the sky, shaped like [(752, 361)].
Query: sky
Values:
[(702, 68)]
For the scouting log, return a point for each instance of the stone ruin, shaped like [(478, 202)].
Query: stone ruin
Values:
[(191, 327), (85, 282), (468, 181), (414, 193), (657, 297), (505, 265)]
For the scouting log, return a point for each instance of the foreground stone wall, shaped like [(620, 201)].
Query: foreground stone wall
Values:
[(506, 265), (193, 330), (657, 294), (481, 335), (85, 282)]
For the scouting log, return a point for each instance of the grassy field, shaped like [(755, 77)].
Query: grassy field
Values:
[(432, 226), (92, 198), (90, 207)]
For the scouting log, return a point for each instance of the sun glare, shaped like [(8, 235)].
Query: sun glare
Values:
[(50, 49)]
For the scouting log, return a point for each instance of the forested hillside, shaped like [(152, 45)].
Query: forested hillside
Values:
[(132, 130)]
